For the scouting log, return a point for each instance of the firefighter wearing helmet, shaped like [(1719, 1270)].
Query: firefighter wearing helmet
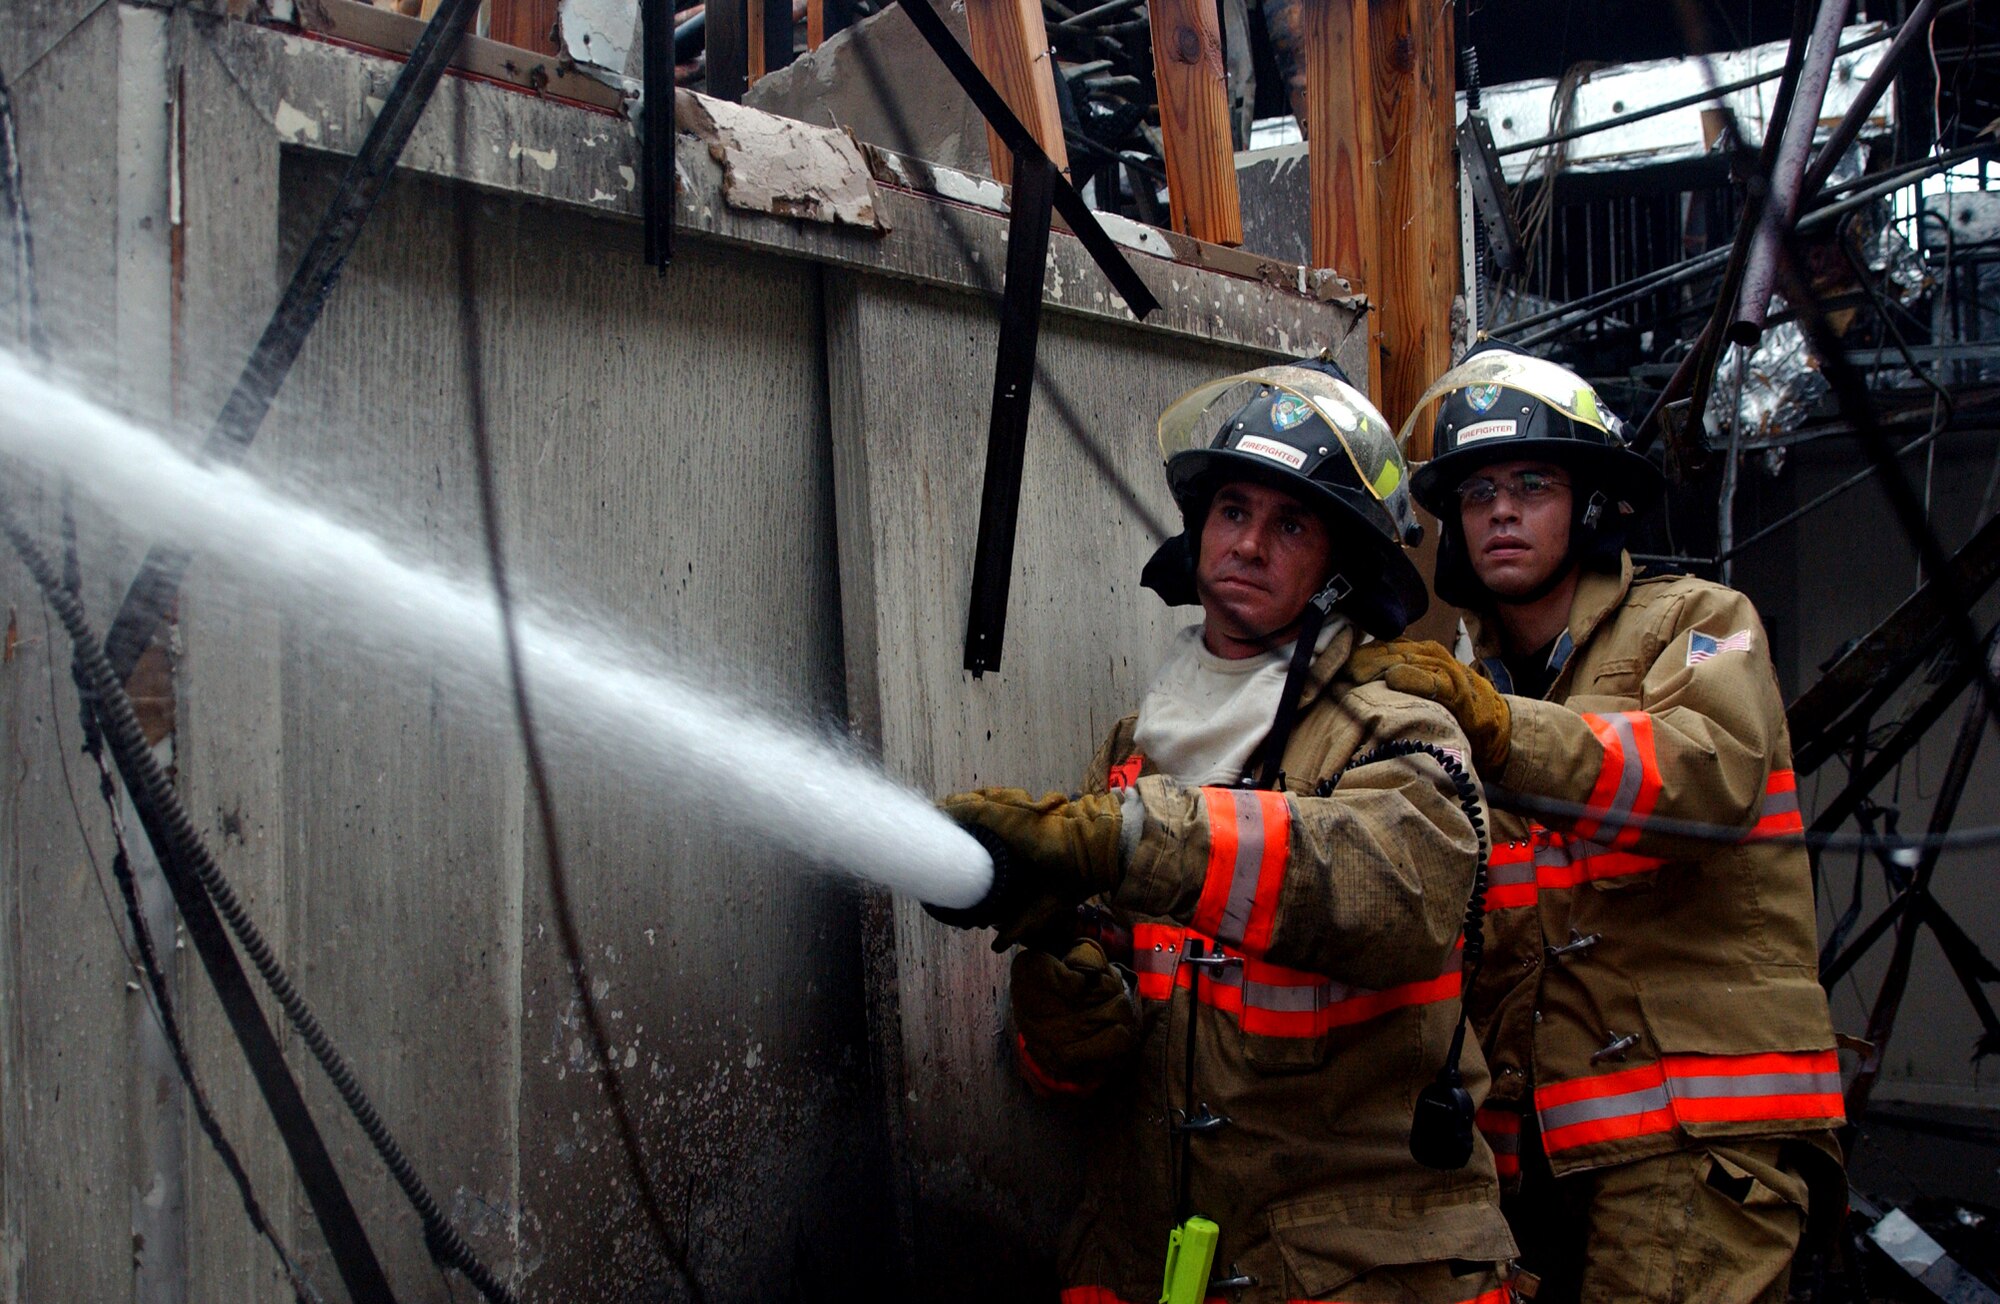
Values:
[(1271, 976), (1665, 1088)]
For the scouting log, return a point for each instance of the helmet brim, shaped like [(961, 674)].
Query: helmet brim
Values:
[(1622, 474)]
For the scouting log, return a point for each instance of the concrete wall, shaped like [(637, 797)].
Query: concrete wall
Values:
[(768, 461)]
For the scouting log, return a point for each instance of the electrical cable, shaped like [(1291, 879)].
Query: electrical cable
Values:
[(1853, 481), (1523, 803), (143, 961), (1045, 384), (162, 1006), (470, 345), (1851, 395), (154, 792), (1712, 93), (1441, 1126), (1944, 407)]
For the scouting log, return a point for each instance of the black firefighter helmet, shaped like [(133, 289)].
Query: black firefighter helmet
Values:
[(1302, 428), (1504, 405)]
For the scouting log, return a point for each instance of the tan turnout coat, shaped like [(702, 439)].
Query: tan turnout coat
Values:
[(1343, 912), (1646, 990)]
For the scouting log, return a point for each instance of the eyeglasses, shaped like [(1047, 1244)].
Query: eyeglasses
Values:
[(1522, 487)]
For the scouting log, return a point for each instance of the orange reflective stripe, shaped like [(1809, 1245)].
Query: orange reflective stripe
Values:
[(1499, 1295), (1564, 861), (1249, 840), (1040, 1076), (1628, 784), (1270, 1000), (1100, 1295), (1569, 863), (1125, 773), (1510, 876), (1679, 1089), (1344, 1011), (1779, 815), (1502, 1130), (1220, 805)]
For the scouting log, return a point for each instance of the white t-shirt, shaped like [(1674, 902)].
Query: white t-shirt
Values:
[(1204, 714)]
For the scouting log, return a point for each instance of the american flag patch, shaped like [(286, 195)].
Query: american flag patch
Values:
[(1701, 647)]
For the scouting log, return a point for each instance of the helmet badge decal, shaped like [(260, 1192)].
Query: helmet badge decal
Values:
[(1272, 449), (1290, 410), (1482, 397)]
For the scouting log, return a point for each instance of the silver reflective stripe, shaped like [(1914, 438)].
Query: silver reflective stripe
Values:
[(1634, 772), (1556, 854), (1243, 875), (1155, 961), (1293, 1000), (1595, 1110), (1521, 871), (1781, 803), (1502, 1143), (1755, 1084), (1228, 975)]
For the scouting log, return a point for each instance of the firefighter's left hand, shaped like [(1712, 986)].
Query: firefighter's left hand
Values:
[(1074, 1022), (1061, 851), (1425, 669)]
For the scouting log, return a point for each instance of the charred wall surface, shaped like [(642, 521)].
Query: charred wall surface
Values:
[(765, 465)]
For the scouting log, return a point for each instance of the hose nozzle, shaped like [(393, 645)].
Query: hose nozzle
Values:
[(983, 912)]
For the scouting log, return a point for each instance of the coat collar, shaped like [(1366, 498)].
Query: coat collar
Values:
[(1328, 663)]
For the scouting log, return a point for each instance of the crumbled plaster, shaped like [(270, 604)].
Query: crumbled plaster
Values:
[(786, 168), (600, 35)]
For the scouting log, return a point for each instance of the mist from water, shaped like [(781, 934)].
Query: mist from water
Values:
[(594, 695)]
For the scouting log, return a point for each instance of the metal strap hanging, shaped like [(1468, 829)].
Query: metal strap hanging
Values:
[(158, 583), (1039, 188)]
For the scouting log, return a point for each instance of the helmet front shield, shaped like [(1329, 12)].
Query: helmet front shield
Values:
[(1550, 382), (1192, 422)]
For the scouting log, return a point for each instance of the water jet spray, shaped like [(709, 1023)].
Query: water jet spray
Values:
[(602, 696)]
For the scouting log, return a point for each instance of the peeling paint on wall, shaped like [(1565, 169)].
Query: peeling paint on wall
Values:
[(545, 159), (293, 125)]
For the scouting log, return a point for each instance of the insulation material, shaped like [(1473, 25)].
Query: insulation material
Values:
[(1525, 111), (1900, 267), (782, 167), (1774, 385)]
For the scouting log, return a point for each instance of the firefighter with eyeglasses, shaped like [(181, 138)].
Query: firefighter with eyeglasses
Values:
[(1280, 861), (1665, 1085)]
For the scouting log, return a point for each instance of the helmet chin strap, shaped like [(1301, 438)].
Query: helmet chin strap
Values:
[(1311, 621)]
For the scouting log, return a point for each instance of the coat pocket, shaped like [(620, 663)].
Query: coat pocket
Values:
[(1745, 1053), (1328, 1241), (1737, 1012)]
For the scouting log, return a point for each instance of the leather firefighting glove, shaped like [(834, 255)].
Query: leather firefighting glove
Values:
[(1425, 669), (1074, 1017), (1056, 852)]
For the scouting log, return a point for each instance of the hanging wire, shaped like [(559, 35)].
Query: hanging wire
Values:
[(470, 346)]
